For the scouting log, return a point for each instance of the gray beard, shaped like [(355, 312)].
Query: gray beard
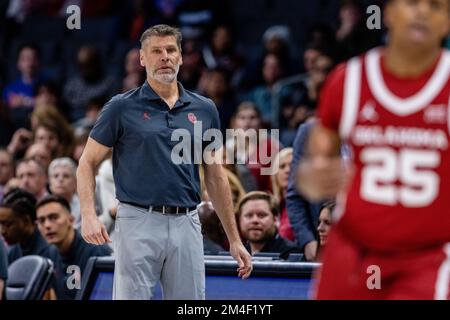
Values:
[(166, 78)]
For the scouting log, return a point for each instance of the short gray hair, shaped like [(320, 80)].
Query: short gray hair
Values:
[(162, 30), (62, 162)]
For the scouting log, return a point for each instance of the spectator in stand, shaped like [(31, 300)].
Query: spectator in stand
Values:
[(352, 36), (217, 87), (272, 71), (193, 64), (6, 170), (237, 191), (19, 143), (18, 228), (91, 82), (40, 153), (13, 183), (132, 81), (51, 128), (214, 237), (312, 52), (303, 215), (242, 173), (220, 53), (134, 72), (19, 95), (295, 110), (322, 35), (325, 223), (297, 96), (276, 40), (248, 118), (257, 216), (48, 95), (32, 177), (55, 223), (279, 187), (63, 182), (48, 137), (307, 86), (319, 70)]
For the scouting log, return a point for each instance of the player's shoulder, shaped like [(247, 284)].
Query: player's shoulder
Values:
[(197, 98), (335, 80), (121, 100), (125, 96), (337, 75), (339, 72), (203, 103)]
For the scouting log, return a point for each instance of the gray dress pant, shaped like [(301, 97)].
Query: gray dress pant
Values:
[(151, 247)]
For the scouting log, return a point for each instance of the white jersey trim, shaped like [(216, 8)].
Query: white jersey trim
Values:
[(352, 95), (448, 114), (443, 277), (418, 101)]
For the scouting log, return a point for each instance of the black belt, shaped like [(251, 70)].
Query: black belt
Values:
[(163, 209)]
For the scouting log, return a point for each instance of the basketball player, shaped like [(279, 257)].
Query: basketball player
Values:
[(391, 106)]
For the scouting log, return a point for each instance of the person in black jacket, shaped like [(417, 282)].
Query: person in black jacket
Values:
[(56, 224), (18, 228), (303, 214), (257, 215)]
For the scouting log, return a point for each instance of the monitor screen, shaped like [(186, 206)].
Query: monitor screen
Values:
[(269, 281)]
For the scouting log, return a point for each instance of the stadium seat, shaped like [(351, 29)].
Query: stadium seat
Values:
[(28, 278)]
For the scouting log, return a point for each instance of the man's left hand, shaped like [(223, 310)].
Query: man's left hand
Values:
[(243, 258)]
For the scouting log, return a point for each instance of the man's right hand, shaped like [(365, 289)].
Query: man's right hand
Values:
[(311, 250), (93, 231)]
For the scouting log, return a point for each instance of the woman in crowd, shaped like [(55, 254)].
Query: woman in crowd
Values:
[(51, 128), (325, 223), (279, 187), (250, 146)]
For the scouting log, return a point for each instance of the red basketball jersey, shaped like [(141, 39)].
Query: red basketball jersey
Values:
[(398, 130)]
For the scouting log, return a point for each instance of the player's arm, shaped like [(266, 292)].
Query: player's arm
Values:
[(92, 230), (219, 191)]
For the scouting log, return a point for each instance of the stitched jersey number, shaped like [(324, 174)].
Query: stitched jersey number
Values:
[(413, 168)]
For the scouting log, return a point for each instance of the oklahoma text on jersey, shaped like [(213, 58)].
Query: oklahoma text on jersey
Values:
[(399, 131), (396, 211)]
